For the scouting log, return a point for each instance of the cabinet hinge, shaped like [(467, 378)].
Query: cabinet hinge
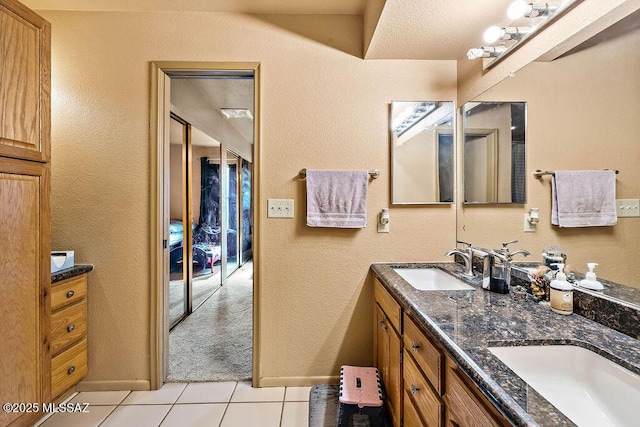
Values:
[(164, 244)]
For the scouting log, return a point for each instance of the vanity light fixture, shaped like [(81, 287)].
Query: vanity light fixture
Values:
[(236, 113), (524, 9), (485, 52), (495, 33)]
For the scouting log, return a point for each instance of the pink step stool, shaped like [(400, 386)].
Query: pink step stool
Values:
[(360, 392)]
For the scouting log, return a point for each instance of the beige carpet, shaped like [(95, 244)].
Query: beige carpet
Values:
[(215, 342)]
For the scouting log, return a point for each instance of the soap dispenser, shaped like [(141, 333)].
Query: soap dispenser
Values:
[(561, 293), (590, 281)]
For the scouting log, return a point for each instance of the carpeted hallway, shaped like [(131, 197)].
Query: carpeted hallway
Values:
[(215, 342)]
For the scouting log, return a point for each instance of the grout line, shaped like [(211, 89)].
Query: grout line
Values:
[(108, 415)]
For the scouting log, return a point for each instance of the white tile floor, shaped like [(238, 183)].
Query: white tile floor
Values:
[(228, 404)]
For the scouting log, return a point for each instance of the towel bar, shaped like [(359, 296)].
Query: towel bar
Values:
[(373, 173), (539, 173)]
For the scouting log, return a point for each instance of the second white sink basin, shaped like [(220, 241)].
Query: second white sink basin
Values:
[(431, 279), (588, 388)]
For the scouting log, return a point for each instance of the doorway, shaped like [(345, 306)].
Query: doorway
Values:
[(208, 237)]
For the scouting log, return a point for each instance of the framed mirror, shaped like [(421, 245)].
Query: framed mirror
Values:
[(422, 152), (494, 152)]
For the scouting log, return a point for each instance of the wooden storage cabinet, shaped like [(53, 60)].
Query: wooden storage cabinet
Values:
[(388, 349), (68, 334), (25, 98), (24, 285), (25, 236)]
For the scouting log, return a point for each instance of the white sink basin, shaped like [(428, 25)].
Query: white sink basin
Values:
[(431, 279), (588, 388)]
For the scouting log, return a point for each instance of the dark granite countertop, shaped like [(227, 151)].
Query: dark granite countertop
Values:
[(466, 323), (67, 273)]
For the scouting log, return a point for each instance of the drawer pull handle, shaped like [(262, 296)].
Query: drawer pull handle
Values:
[(70, 294), (71, 327), (71, 370), (414, 389), (414, 346)]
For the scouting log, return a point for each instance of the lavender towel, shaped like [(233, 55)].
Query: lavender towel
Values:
[(337, 198), (583, 198)]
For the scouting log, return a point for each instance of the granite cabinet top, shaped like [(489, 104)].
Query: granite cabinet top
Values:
[(467, 322), (68, 273)]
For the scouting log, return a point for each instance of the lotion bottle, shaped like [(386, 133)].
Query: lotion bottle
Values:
[(561, 293), (590, 281)]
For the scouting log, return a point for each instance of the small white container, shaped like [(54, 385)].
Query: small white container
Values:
[(561, 293), (590, 281), (61, 260)]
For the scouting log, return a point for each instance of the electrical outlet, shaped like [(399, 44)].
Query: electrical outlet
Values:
[(528, 227), (280, 208), (627, 207)]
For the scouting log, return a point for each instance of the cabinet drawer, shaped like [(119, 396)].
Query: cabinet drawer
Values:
[(68, 368), (388, 304), (425, 353), (417, 387), (68, 291), (411, 417), (68, 325), (466, 408)]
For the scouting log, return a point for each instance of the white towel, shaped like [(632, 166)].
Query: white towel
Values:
[(337, 198), (583, 198)]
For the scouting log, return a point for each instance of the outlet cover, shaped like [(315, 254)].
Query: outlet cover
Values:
[(627, 207), (280, 208), (528, 227)]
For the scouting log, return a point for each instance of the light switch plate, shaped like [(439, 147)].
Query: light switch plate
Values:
[(280, 208), (627, 207)]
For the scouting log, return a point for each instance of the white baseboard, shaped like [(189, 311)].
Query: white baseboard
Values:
[(117, 385), (297, 381)]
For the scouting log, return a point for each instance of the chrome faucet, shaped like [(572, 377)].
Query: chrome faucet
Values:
[(467, 256), (504, 255), (501, 273)]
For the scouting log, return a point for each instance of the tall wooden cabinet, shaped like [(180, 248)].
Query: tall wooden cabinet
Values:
[(24, 210)]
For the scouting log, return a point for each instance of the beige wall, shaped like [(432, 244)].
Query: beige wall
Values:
[(582, 113), (321, 108)]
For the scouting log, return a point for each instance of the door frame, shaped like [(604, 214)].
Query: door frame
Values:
[(161, 72)]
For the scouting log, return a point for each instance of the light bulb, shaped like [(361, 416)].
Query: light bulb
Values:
[(518, 9), (493, 34), (475, 53)]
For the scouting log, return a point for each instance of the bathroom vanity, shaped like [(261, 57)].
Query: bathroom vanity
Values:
[(448, 375)]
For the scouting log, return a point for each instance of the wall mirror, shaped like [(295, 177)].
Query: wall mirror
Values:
[(494, 152), (422, 152), (582, 113)]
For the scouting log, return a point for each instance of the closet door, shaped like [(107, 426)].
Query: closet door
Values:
[(24, 285), (25, 83)]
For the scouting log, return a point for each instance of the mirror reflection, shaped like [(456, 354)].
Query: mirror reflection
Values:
[(494, 152), (582, 113), (422, 152)]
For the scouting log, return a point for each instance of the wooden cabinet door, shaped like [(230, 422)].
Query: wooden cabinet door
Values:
[(25, 81), (388, 348), (25, 276), (394, 380), (381, 343)]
